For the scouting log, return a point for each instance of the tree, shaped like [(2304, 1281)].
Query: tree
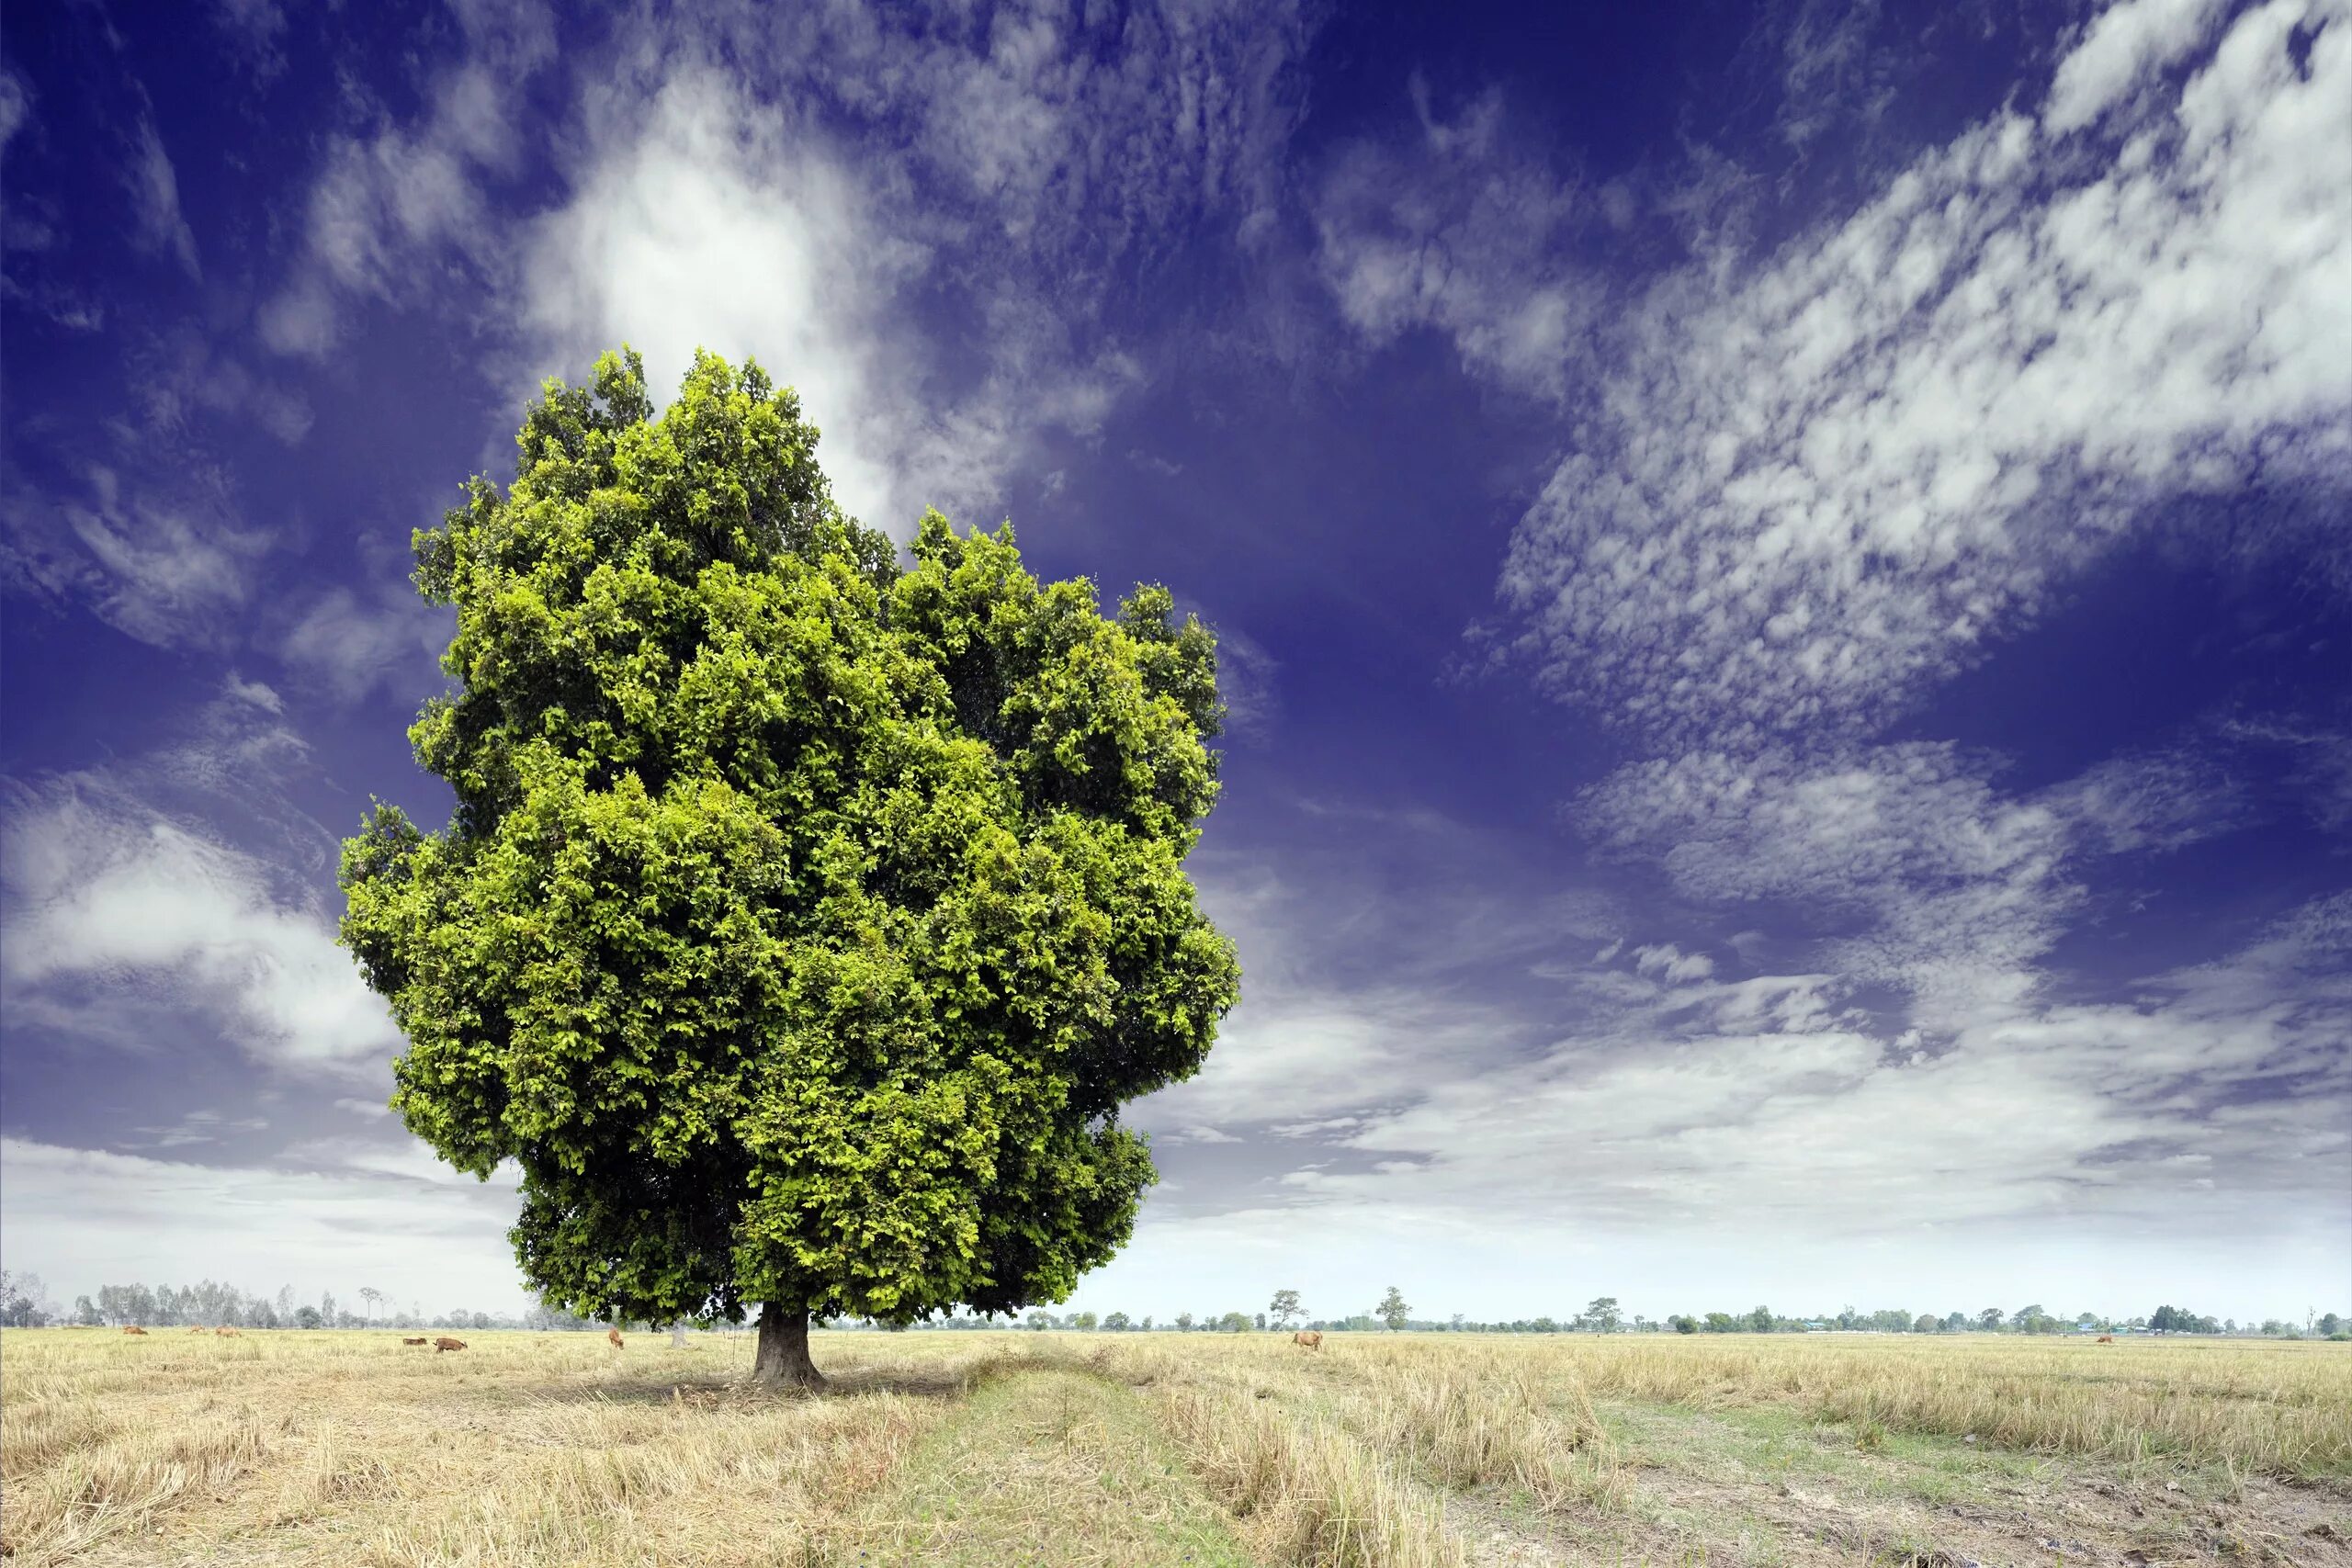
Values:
[(1392, 1310), (23, 1300), (804, 921), (1084, 1322), (1284, 1307), (1682, 1323), (307, 1316), (373, 1297), (2330, 1323), (1760, 1320), (1721, 1322), (1183, 1322), (1602, 1314), (1926, 1324), (1991, 1318), (1234, 1323), (1117, 1323), (1040, 1321)]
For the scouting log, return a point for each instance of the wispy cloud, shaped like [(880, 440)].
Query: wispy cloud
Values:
[(389, 206), (349, 645), (1807, 489), (155, 200)]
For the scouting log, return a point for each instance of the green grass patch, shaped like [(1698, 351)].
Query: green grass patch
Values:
[(1044, 1467)]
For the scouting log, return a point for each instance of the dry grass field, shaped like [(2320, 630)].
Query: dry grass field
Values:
[(1410, 1451)]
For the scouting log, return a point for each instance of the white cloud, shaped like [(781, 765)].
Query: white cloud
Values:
[(1671, 964), (1467, 237), (2123, 48), (155, 202), (1199, 1135), (706, 228), (356, 1216), (1805, 492), (126, 919)]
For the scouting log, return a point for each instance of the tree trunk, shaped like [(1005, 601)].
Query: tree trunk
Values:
[(781, 1360), (678, 1334)]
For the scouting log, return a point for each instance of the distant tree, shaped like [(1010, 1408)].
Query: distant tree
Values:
[(1040, 1320), (1721, 1322), (2023, 1318), (1990, 1318), (2330, 1323), (1682, 1323), (2163, 1320), (1117, 1323), (327, 1313), (23, 1300), (1283, 1307), (867, 883), (373, 1297), (1955, 1322), (286, 1303), (86, 1313), (1926, 1324), (1147, 1323), (1602, 1314), (1234, 1323), (307, 1316), (1760, 1321), (1392, 1310), (1183, 1322)]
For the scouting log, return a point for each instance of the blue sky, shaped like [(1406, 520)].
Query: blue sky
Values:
[(1782, 576)]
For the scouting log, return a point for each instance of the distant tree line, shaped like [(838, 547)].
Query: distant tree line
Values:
[(24, 1303)]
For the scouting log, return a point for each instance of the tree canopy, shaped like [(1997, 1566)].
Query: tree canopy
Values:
[(805, 918)]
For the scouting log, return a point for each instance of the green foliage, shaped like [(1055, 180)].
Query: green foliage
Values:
[(804, 921), (1392, 1310)]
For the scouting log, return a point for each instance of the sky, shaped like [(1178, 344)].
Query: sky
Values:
[(1783, 575)]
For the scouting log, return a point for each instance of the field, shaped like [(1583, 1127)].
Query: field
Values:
[(1408, 1451)]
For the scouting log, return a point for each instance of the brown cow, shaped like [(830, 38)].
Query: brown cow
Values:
[(197, 1330), (1309, 1337), (446, 1343), (615, 1336), (228, 1332), (134, 1328), (419, 1340), (2107, 1338)]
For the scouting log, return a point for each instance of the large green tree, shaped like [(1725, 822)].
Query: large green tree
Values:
[(805, 918)]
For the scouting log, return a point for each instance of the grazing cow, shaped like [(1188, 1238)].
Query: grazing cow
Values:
[(2107, 1338), (615, 1336), (1309, 1337), (134, 1328), (228, 1332), (197, 1330), (418, 1340), (446, 1343)]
